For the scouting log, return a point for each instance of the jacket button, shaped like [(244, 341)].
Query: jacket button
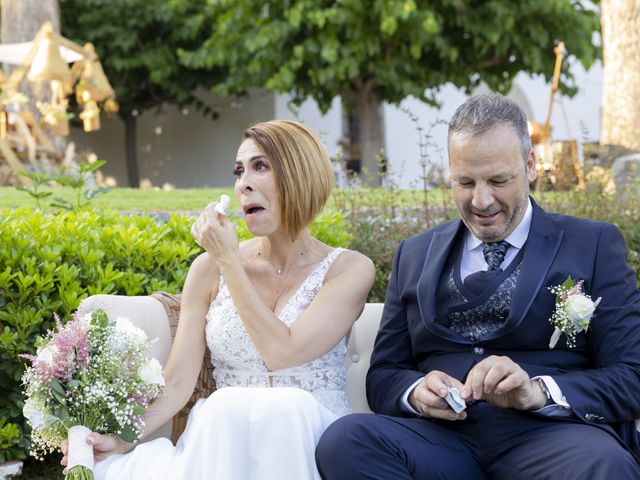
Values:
[(478, 350), (592, 417), (355, 358)]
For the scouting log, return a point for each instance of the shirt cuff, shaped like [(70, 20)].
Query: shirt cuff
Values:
[(559, 406), (404, 400)]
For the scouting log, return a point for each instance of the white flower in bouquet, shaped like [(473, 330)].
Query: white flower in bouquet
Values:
[(126, 334), (126, 326), (46, 354), (151, 373), (78, 383), (37, 414), (573, 311)]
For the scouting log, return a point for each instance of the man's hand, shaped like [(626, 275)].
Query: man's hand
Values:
[(427, 397), (502, 382)]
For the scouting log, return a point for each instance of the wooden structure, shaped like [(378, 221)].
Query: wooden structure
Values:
[(545, 148)]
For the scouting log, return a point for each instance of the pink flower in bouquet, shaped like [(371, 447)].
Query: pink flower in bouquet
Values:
[(67, 350)]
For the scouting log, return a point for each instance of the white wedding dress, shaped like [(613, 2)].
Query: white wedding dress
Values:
[(265, 432)]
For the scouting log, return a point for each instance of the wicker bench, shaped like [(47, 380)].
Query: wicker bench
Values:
[(158, 316)]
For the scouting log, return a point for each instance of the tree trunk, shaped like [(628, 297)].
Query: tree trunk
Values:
[(131, 152), (21, 19), (621, 83), (368, 135)]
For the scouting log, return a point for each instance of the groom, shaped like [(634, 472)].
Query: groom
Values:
[(469, 306)]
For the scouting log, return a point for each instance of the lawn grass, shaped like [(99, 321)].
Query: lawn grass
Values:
[(180, 200), (195, 199)]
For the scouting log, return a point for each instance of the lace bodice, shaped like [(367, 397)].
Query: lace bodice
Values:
[(236, 360)]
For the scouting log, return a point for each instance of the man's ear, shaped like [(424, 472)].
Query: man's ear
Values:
[(532, 173)]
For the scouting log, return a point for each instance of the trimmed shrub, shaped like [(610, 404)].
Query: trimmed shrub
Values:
[(50, 261), (11, 442), (378, 232)]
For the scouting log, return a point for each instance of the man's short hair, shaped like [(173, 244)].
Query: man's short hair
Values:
[(480, 113), (302, 168)]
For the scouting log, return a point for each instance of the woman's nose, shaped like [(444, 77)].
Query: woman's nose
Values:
[(243, 184)]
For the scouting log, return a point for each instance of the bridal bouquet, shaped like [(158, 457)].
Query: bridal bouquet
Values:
[(88, 376)]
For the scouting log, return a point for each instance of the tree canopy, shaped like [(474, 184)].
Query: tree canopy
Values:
[(394, 48), (138, 42), (372, 51)]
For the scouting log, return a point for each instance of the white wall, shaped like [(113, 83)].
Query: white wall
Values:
[(180, 147), (188, 150), (185, 149), (328, 126), (570, 116)]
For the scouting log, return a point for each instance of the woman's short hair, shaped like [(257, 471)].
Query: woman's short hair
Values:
[(301, 166)]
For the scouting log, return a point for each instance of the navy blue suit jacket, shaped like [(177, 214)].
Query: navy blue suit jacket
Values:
[(600, 376)]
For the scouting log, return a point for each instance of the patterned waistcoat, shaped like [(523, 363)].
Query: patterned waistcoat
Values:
[(475, 316)]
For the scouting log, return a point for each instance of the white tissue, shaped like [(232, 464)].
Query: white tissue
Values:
[(455, 401), (223, 204)]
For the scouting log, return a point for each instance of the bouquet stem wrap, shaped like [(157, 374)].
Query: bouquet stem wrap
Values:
[(80, 463)]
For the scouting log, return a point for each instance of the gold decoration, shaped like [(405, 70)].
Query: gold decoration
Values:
[(93, 79), (111, 106), (48, 63), (90, 116), (3, 124), (60, 129)]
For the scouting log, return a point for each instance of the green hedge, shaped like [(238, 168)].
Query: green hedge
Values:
[(50, 261), (377, 233)]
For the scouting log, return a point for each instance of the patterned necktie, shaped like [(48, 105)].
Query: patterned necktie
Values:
[(494, 255)]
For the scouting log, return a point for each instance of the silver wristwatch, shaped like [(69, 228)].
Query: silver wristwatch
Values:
[(545, 390)]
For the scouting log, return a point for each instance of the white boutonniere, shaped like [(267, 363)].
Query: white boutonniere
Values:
[(573, 312)]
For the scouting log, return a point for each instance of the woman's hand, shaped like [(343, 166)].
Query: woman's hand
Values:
[(103, 446), (216, 234)]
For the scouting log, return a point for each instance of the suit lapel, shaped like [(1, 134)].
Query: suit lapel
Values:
[(437, 253), (541, 249)]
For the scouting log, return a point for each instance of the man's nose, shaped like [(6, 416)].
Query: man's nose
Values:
[(482, 197)]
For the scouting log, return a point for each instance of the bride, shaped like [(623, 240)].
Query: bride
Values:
[(274, 311)]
